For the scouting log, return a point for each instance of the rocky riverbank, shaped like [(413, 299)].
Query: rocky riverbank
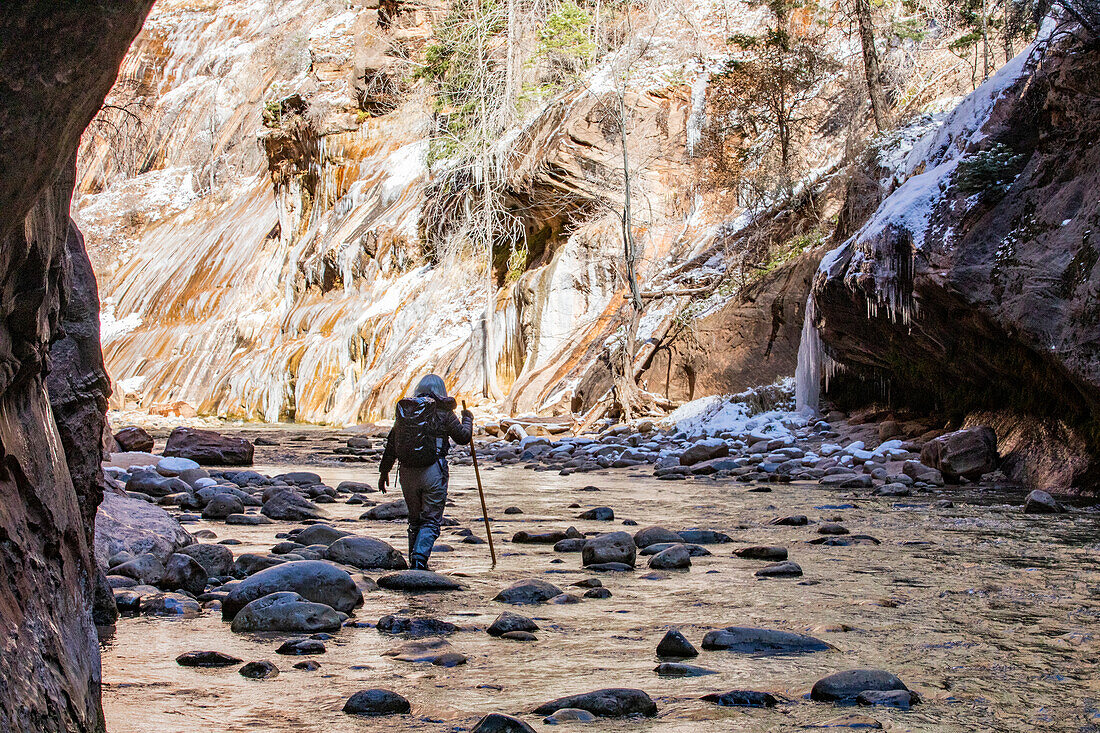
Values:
[(728, 592)]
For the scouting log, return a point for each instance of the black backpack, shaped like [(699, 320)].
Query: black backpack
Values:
[(416, 442)]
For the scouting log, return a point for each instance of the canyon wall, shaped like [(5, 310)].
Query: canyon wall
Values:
[(263, 216), (974, 291), (57, 63)]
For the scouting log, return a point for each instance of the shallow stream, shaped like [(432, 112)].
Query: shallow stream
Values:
[(989, 614)]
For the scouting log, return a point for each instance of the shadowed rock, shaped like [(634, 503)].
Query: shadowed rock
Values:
[(762, 552), (287, 611), (208, 447), (528, 592), (418, 581), (500, 723), (750, 640), (614, 547), (608, 703), (206, 659), (314, 580), (847, 685), (365, 553), (742, 698), (376, 702), (508, 621), (675, 644)]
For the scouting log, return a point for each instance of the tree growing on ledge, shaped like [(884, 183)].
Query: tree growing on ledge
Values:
[(771, 82)]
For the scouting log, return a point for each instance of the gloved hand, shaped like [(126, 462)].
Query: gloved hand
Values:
[(383, 482), (467, 414)]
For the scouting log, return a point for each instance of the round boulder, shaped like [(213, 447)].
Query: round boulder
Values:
[(611, 547), (314, 580), (288, 612), (365, 553), (376, 702)]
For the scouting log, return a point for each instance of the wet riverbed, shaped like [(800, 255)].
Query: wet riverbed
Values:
[(989, 614)]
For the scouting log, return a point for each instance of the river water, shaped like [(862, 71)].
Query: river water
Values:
[(989, 614)]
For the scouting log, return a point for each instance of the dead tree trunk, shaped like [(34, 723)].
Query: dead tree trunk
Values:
[(871, 66)]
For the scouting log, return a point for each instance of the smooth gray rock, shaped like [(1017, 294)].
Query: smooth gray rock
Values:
[(320, 534), (365, 553), (528, 592), (145, 568), (704, 537), (751, 640), (675, 644), (184, 572), (607, 703), (376, 702), (221, 506), (388, 511), (289, 612), (288, 505), (847, 685), (314, 580), (675, 557), (785, 569), (123, 524), (216, 560), (1041, 502), (418, 581), (653, 535), (509, 621), (611, 547)]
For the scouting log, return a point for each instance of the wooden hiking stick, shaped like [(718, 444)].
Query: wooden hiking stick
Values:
[(481, 492)]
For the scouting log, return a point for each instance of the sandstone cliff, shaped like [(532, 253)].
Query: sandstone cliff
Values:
[(56, 65), (974, 290)]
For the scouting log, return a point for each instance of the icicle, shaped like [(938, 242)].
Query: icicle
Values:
[(807, 376)]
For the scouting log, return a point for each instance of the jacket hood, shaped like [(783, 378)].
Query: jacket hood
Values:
[(431, 385)]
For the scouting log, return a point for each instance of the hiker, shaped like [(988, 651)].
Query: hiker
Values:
[(419, 441)]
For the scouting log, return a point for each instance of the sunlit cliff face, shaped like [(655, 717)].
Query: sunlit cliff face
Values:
[(264, 261)]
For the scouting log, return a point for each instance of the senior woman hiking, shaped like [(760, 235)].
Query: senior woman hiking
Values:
[(419, 441)]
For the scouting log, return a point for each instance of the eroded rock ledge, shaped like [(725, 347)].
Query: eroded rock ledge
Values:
[(974, 290)]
